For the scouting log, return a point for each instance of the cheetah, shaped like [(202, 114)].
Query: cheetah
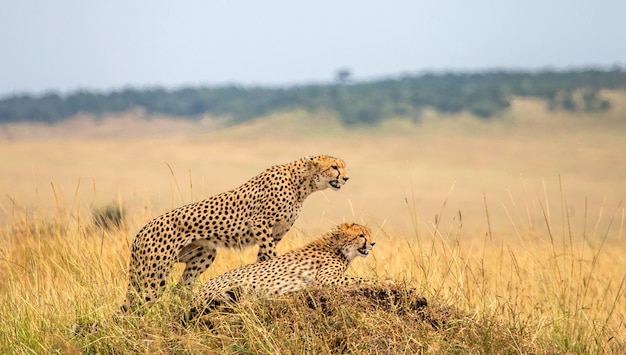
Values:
[(320, 263), (259, 212)]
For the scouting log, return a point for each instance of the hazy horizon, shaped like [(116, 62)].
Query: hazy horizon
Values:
[(70, 46)]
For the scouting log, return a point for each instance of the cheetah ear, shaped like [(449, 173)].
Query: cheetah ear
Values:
[(340, 230), (312, 165)]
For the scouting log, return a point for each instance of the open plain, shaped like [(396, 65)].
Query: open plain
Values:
[(516, 222)]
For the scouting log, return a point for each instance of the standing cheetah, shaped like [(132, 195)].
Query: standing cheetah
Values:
[(320, 263), (259, 212)]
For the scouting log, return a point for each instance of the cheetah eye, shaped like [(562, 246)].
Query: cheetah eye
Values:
[(362, 236), (335, 167)]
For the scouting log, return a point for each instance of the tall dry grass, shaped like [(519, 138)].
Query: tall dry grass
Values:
[(550, 289)]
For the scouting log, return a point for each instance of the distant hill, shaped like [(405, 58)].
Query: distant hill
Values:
[(484, 94)]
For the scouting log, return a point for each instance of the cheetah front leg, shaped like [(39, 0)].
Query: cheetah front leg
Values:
[(330, 276), (261, 232)]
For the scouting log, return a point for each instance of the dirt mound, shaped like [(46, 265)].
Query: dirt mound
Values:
[(390, 298), (316, 303)]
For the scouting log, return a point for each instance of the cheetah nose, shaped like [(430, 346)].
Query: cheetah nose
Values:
[(346, 178)]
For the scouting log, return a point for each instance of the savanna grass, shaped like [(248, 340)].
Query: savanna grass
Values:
[(551, 289)]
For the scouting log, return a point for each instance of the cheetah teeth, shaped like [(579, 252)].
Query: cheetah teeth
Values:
[(334, 184)]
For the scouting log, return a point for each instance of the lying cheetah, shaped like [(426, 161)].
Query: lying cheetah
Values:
[(320, 263), (259, 212)]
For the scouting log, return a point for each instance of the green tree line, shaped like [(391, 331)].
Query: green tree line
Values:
[(484, 94)]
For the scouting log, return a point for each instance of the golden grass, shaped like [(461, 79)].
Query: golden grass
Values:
[(518, 225), (539, 292)]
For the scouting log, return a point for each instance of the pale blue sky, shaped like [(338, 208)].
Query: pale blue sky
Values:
[(67, 45)]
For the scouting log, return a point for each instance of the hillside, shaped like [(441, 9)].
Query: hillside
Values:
[(483, 94)]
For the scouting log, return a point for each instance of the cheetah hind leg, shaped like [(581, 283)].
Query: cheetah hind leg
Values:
[(144, 290), (197, 259)]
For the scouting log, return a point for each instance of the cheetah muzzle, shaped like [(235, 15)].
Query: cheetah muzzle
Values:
[(334, 184), (339, 181), (365, 250)]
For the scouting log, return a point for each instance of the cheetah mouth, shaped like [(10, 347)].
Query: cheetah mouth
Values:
[(363, 251), (334, 184)]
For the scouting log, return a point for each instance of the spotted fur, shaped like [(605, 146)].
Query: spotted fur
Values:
[(320, 263), (259, 212)]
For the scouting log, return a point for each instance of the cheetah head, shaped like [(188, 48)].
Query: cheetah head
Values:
[(328, 172), (355, 240)]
